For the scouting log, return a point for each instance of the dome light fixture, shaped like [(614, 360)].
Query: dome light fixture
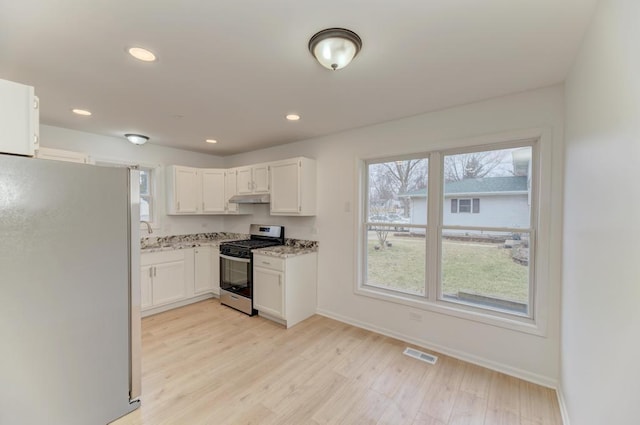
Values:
[(335, 48), (136, 139)]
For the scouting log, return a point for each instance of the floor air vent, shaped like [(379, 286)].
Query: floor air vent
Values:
[(420, 355)]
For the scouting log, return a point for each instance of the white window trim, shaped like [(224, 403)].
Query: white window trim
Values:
[(541, 238)]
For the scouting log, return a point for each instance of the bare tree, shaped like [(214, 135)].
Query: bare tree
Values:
[(387, 181), (474, 165), (406, 175)]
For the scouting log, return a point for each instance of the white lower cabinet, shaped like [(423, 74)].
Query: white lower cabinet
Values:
[(284, 290), (163, 278), (268, 292), (171, 279), (146, 278), (206, 270)]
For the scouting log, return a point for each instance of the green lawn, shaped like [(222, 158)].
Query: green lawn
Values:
[(484, 269)]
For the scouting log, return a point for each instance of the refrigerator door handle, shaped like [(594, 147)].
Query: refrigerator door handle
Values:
[(135, 318)]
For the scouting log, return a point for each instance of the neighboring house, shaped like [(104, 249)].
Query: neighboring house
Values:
[(483, 202)]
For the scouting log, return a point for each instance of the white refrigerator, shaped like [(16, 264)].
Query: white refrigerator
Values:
[(69, 292)]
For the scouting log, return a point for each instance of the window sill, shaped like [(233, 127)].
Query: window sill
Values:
[(462, 311)]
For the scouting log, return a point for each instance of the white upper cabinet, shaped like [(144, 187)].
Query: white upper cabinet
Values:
[(213, 191), (19, 119), (293, 187), (197, 190), (253, 179), (291, 183), (184, 187), (231, 189)]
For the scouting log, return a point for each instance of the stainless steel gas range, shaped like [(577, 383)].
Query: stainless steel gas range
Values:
[(236, 266)]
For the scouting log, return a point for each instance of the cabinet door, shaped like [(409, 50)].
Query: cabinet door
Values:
[(203, 272), (285, 187), (231, 179), (268, 292), (261, 179), (169, 283), (18, 119), (244, 184), (187, 190), (215, 270), (213, 185), (145, 286)]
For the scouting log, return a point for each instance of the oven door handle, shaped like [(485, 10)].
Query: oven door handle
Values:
[(241, 260)]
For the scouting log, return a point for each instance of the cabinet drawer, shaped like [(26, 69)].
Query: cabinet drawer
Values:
[(150, 258), (268, 262)]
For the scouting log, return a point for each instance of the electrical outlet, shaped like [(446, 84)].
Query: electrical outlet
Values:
[(416, 317)]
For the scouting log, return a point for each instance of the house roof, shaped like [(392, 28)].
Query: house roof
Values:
[(482, 185)]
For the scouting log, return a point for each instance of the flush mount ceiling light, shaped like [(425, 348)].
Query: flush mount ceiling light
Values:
[(212, 141), (136, 139), (142, 54), (334, 48), (293, 117)]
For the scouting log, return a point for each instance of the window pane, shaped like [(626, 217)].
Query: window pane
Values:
[(145, 209), (500, 180), (397, 191), (144, 182), (487, 272), (476, 205), (395, 260)]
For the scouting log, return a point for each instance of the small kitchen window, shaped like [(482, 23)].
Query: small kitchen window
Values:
[(147, 207)]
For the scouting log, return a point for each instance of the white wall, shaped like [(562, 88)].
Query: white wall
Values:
[(119, 149), (600, 372), (527, 355)]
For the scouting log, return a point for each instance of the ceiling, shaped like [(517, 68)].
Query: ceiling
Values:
[(232, 69)]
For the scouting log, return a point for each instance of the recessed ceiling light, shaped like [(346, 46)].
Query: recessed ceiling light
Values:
[(81, 112), (142, 54), (293, 117), (212, 141)]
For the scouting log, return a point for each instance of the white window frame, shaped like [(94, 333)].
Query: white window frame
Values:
[(536, 322), (151, 198)]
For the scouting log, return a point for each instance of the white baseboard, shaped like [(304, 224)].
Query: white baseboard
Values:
[(460, 355), (563, 406), (177, 304)]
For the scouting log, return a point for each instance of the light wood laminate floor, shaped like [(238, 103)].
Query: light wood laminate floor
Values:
[(208, 364)]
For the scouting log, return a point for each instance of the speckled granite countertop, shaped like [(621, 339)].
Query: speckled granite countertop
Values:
[(284, 251), (291, 248), (169, 243)]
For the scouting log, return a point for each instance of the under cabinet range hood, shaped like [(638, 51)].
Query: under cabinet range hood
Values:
[(258, 198)]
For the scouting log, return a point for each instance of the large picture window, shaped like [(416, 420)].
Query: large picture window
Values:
[(454, 228)]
